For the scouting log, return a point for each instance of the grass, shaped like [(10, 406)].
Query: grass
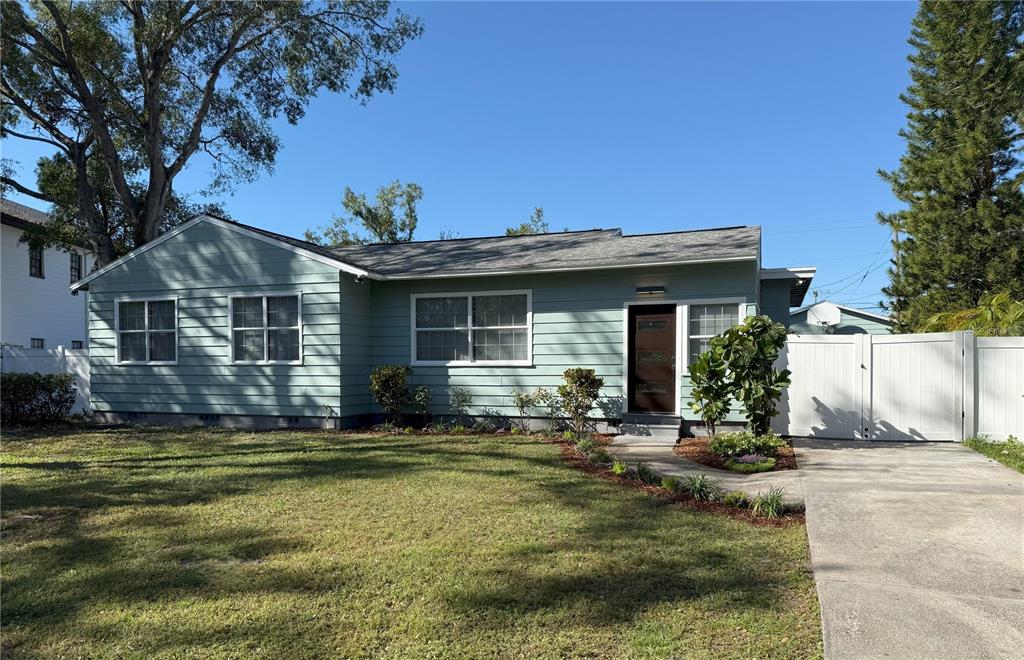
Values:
[(201, 543), (1010, 453)]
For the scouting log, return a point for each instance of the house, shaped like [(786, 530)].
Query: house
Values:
[(217, 322), (848, 320), (36, 308)]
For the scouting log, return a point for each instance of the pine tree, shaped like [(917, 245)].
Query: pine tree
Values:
[(962, 231)]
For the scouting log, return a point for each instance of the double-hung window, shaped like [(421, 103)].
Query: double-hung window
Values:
[(76, 266), (35, 261), (147, 331), (266, 329), (472, 328), (706, 321)]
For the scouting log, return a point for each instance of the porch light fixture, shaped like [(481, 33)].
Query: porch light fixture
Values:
[(650, 290)]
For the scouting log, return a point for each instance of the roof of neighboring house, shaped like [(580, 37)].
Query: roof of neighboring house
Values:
[(571, 250), (799, 277), (851, 310), (18, 215)]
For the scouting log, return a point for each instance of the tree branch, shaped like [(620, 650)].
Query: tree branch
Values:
[(8, 181), (36, 138)]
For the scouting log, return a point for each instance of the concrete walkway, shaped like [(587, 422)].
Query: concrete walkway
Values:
[(657, 453), (917, 549)]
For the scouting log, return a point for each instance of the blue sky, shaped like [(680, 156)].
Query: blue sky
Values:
[(649, 117)]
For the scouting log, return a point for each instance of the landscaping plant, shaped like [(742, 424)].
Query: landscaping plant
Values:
[(700, 487), (459, 400), (585, 445), (524, 401), (749, 351), (619, 468), (671, 484), (736, 498), (599, 457), (549, 400), (577, 395), (768, 504), (750, 463), (35, 398), (645, 474), (712, 390), (421, 397), (389, 389), (733, 445)]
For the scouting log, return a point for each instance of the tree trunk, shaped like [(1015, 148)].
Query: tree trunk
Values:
[(89, 215)]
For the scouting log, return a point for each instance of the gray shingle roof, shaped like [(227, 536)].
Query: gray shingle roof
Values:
[(24, 213), (592, 249)]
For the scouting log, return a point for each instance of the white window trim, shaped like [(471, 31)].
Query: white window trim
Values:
[(264, 295), (682, 339), (528, 362), (117, 329)]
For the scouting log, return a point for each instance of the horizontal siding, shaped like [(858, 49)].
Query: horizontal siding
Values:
[(204, 266), (577, 322)]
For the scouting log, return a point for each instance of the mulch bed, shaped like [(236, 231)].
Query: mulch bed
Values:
[(577, 460), (697, 450)]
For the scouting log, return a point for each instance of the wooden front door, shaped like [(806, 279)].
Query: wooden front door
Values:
[(652, 358)]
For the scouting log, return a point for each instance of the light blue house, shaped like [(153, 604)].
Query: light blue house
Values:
[(217, 322), (847, 320)]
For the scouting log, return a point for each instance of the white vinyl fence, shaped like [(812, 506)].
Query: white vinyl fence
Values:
[(937, 386), (74, 361)]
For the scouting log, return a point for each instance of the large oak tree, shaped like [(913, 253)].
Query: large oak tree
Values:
[(128, 92)]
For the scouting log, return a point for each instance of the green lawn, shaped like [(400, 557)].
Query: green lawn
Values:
[(203, 543), (1009, 453)]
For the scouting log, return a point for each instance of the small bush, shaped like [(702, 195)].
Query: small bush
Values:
[(436, 427), (458, 429), (515, 431), (550, 401), (387, 426), (700, 487), (524, 401), (769, 504), (36, 398), (631, 473), (733, 445), (645, 474), (577, 395), (585, 445), (484, 426), (619, 468), (459, 400), (389, 389), (599, 457), (736, 498), (421, 397), (750, 467), (671, 483), (408, 430)]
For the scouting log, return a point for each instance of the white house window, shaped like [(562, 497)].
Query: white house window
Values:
[(706, 321), (38, 342), (76, 266), (147, 331), (266, 329), (472, 328), (35, 261), (77, 343)]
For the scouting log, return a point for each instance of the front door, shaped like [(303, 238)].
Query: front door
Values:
[(652, 358)]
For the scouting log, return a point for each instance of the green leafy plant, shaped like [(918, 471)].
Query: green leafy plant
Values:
[(645, 474), (389, 389), (459, 400), (997, 315), (599, 457), (700, 487), (712, 387), (768, 504), (749, 351), (35, 398), (515, 431), (619, 468), (736, 498), (578, 394), (458, 429), (524, 402), (387, 426), (585, 445), (421, 398), (552, 405), (752, 467), (484, 426), (408, 430), (436, 427), (732, 445), (671, 483)]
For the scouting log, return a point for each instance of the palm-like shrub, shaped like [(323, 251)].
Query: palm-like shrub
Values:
[(997, 315)]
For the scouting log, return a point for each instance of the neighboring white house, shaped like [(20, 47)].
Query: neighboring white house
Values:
[(37, 309)]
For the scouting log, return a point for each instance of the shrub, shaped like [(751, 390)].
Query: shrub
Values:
[(732, 445), (585, 445), (388, 387), (671, 483), (750, 463), (631, 473), (577, 395), (712, 387), (768, 504), (599, 457), (524, 402), (484, 426), (645, 474), (408, 430), (749, 351), (515, 431), (700, 487), (436, 427), (619, 468), (736, 498), (459, 400), (549, 400), (387, 426), (36, 398), (421, 398), (458, 429)]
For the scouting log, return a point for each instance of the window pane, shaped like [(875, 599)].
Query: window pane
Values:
[(282, 311), (248, 345), (131, 316), (506, 344), (441, 312), (247, 312), (712, 319), (442, 345), (161, 346), (76, 267), (283, 345), (133, 346), (161, 315), (499, 310), (698, 346)]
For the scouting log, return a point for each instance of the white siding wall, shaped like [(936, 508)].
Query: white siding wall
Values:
[(32, 307)]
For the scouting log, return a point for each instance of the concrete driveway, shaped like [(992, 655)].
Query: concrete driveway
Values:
[(917, 549)]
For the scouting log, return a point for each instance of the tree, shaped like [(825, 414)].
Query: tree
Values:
[(962, 231), (391, 219), (997, 315), (749, 351), (535, 225), (577, 395), (128, 93), (712, 386)]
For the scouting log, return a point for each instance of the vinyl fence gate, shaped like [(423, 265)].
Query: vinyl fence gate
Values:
[(936, 387)]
